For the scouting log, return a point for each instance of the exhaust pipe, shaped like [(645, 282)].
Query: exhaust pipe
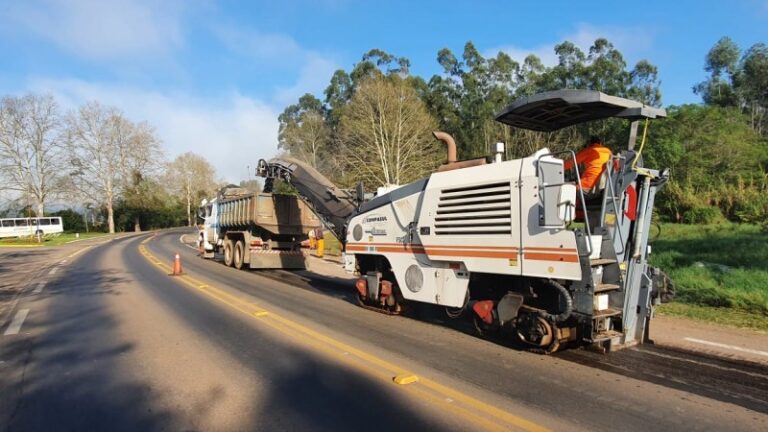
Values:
[(449, 143)]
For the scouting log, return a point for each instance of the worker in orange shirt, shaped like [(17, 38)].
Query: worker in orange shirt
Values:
[(591, 161)]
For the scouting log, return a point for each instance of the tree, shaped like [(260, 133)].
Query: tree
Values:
[(713, 155), (31, 150), (303, 131), (464, 100), (468, 96), (108, 152), (693, 140), (471, 91), (738, 82), (753, 84), (386, 131), (722, 64), (337, 95), (140, 189), (142, 198), (191, 176), (72, 220)]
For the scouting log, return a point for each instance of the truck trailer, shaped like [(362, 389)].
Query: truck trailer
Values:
[(256, 230)]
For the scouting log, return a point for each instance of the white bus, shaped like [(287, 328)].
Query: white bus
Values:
[(24, 227)]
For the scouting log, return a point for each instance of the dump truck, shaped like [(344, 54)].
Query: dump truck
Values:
[(256, 230)]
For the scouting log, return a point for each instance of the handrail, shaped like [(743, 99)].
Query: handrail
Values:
[(608, 169), (581, 192)]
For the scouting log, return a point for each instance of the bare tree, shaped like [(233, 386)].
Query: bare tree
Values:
[(190, 175), (386, 133), (141, 162), (108, 153), (31, 150)]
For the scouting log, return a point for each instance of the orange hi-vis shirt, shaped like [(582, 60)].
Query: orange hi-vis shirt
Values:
[(593, 160)]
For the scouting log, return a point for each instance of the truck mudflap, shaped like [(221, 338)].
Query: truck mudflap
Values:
[(278, 259)]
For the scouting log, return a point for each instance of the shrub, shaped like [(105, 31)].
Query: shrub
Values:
[(704, 215)]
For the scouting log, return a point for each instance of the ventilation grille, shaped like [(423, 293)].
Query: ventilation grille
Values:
[(479, 210)]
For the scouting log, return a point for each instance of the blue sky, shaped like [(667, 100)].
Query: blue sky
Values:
[(212, 76)]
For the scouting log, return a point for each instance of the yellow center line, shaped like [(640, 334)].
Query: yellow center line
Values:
[(423, 388)]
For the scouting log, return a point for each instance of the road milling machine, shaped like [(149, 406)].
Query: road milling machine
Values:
[(515, 242)]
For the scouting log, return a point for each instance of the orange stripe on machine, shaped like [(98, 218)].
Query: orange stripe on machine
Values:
[(550, 257), (536, 254)]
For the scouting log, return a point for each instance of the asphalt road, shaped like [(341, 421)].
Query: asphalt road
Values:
[(113, 342)]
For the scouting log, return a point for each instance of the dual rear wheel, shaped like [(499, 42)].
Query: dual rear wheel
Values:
[(234, 254)]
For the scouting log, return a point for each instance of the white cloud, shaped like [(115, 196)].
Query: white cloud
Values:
[(313, 78), (254, 44), (100, 29), (633, 42), (232, 133), (315, 69)]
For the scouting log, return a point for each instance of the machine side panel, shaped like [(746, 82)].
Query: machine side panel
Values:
[(389, 230), (547, 252), (471, 216)]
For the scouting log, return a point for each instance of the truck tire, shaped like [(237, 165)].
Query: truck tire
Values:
[(228, 253), (239, 254)]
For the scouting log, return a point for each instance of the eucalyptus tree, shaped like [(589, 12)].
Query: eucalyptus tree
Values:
[(304, 132), (738, 80)]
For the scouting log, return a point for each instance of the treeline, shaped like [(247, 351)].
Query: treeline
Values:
[(374, 122), (718, 151), (110, 170)]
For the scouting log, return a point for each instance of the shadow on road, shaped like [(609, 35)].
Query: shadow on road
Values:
[(299, 388), (66, 376)]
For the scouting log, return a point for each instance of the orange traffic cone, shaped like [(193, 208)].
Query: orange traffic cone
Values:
[(176, 265)]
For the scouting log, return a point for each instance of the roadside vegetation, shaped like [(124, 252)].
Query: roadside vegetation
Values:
[(720, 272), (50, 240), (106, 168)]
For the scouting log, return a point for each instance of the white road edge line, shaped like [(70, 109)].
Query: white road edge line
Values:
[(731, 347), (53, 271), (15, 325), (63, 262), (181, 240), (39, 288)]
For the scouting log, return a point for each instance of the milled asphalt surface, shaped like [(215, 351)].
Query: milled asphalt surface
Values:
[(114, 343)]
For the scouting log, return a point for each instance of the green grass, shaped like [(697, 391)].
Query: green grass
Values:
[(718, 270), (721, 316), (332, 244), (49, 241)]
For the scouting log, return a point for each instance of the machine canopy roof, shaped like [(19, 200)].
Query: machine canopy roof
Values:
[(557, 109)]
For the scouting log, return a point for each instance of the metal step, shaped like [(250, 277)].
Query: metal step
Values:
[(601, 261), (604, 287), (606, 313), (606, 335)]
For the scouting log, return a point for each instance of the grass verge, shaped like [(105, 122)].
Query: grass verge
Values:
[(720, 272), (50, 241), (721, 316)]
